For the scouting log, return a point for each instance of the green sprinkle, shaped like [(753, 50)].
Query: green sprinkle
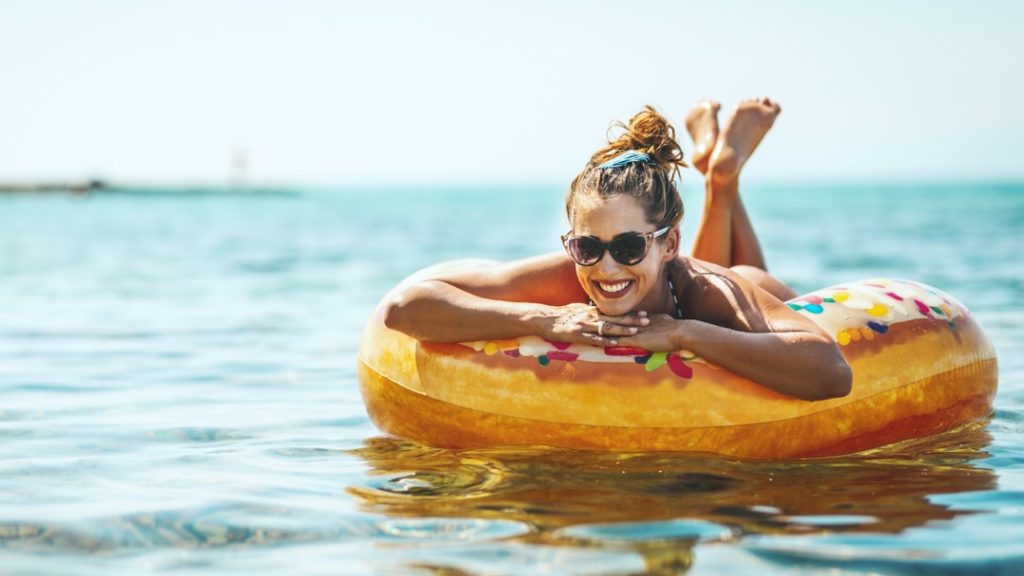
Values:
[(543, 360), (937, 310), (830, 300), (657, 360)]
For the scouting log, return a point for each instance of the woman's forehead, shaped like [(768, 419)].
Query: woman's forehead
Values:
[(608, 217)]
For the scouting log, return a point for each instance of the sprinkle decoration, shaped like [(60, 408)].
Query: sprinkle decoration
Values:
[(657, 360), (679, 367)]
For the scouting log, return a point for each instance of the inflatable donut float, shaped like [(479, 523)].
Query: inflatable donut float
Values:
[(921, 365)]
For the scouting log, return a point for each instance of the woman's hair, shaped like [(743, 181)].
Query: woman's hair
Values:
[(652, 181)]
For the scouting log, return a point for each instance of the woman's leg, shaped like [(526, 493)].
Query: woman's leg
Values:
[(713, 242), (746, 249), (725, 235)]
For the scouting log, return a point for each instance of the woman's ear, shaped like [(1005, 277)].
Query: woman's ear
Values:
[(671, 245)]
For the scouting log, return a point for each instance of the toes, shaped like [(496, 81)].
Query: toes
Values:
[(710, 104)]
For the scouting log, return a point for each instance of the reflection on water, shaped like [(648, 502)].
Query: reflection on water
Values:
[(660, 505)]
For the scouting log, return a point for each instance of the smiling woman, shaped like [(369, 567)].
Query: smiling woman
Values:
[(622, 294), (622, 281)]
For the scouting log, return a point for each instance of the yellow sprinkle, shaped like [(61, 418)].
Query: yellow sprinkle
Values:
[(508, 344), (843, 337), (878, 310), (491, 348), (840, 296)]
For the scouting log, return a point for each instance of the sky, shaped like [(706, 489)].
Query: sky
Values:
[(465, 92)]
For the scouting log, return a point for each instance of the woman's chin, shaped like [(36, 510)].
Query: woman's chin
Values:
[(613, 308)]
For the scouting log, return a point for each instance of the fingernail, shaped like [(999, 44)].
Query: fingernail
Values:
[(645, 321), (613, 342), (642, 313), (632, 330)]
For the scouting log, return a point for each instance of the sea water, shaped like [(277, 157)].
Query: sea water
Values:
[(178, 395)]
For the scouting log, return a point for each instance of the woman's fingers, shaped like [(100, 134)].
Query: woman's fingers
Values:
[(600, 341), (585, 325), (609, 328), (625, 325)]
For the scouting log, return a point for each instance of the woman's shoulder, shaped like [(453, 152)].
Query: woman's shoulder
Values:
[(710, 292), (695, 277), (546, 279), (554, 267)]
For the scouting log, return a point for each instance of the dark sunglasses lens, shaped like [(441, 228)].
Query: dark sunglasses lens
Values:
[(585, 250), (628, 249)]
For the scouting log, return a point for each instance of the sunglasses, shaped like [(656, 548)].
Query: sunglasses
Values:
[(628, 248)]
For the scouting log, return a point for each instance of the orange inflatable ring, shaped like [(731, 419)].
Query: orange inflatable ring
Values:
[(921, 365)]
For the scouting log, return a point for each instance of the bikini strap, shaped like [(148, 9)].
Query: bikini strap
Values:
[(675, 300)]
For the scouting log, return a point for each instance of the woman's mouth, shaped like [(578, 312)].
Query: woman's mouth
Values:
[(613, 289)]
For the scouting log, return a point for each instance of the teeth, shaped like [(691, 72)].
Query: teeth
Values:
[(617, 287)]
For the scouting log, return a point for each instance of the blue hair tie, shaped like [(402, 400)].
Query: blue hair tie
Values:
[(627, 157)]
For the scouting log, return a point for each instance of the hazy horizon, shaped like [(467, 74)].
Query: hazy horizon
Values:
[(327, 94)]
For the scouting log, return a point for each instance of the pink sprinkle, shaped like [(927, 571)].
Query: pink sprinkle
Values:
[(625, 351), (563, 356), (558, 345), (679, 367), (812, 299), (894, 296), (512, 353), (922, 308)]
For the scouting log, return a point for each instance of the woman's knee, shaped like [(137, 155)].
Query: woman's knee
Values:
[(762, 278)]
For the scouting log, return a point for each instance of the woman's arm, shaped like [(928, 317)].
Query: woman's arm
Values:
[(794, 362), (745, 329), (537, 296)]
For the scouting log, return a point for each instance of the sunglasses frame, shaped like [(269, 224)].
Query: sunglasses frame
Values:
[(606, 246)]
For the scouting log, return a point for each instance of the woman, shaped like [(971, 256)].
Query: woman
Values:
[(622, 281)]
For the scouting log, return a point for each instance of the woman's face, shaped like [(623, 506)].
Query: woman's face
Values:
[(615, 288)]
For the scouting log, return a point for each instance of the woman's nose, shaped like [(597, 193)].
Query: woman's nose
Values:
[(607, 264)]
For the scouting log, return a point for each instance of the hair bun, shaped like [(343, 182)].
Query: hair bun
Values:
[(648, 132)]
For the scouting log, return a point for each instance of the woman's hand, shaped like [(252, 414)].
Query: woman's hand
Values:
[(584, 324), (661, 334)]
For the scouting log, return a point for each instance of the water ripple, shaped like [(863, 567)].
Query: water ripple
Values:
[(632, 532)]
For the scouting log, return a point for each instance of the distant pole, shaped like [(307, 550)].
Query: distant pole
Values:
[(239, 169)]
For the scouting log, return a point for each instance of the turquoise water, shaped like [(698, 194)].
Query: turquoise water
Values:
[(178, 394)]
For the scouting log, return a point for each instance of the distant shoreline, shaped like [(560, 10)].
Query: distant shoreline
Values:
[(72, 186), (85, 187)]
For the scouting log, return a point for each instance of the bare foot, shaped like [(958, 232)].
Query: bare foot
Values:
[(743, 131), (702, 124)]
